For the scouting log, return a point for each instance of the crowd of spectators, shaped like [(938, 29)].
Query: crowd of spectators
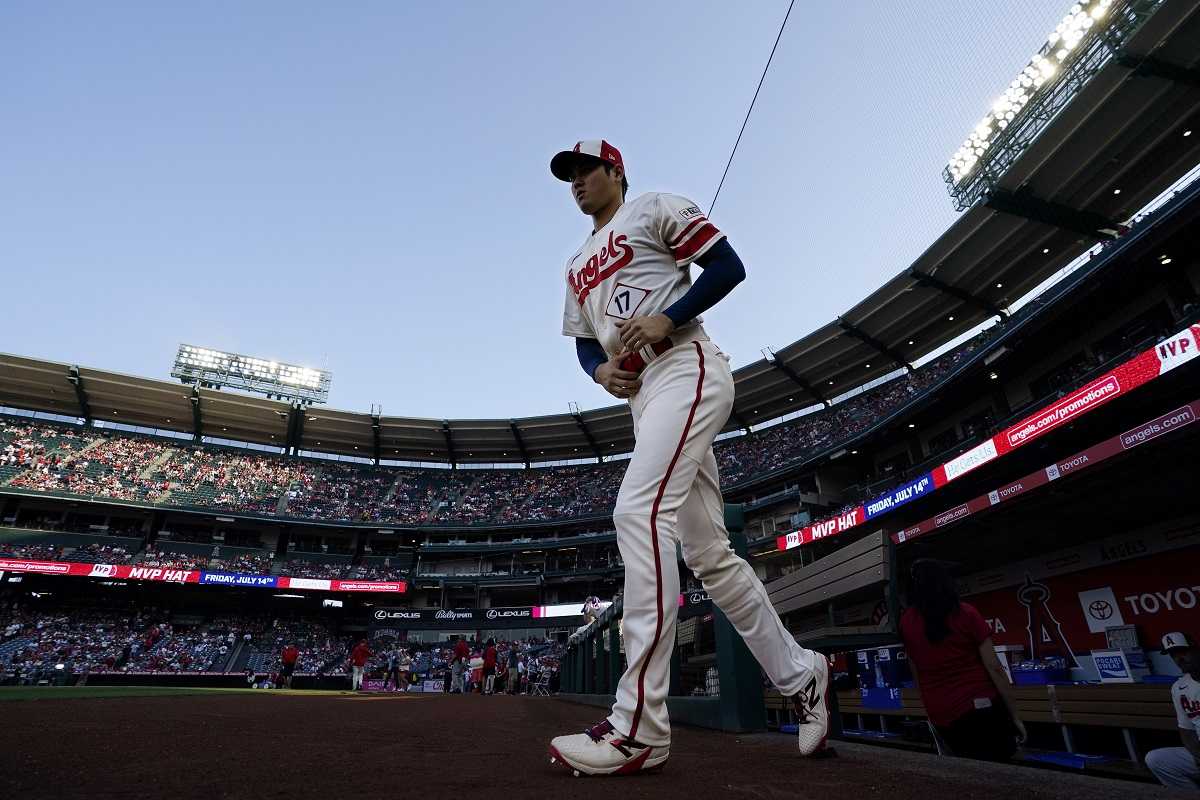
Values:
[(510, 496), (248, 563), (80, 640), (339, 491), (58, 644), (537, 661), (31, 552), (228, 480), (54, 644), (47, 457), (97, 553), (205, 648), (303, 568), (378, 572), (34, 447), (173, 560), (773, 448), (321, 651), (113, 467)]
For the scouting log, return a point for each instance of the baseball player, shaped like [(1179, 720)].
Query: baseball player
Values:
[(1179, 767), (635, 315), (591, 610)]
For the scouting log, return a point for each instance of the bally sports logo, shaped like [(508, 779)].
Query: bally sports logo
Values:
[(598, 268), (453, 615)]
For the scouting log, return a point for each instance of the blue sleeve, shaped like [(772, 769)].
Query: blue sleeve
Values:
[(591, 355), (723, 270)]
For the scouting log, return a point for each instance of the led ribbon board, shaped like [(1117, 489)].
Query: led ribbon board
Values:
[(1172, 352)]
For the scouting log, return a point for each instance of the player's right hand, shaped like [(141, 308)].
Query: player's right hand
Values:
[(621, 384)]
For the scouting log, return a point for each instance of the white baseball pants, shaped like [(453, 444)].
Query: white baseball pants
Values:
[(670, 493), (1174, 767)]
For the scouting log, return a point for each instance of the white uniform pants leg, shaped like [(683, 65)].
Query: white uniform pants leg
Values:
[(1174, 767), (685, 400), (654, 487), (733, 586)]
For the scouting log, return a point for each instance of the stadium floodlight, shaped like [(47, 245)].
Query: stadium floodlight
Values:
[(216, 369), (1088, 36)]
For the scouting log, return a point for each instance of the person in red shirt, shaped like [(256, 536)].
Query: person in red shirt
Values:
[(966, 692), (358, 662), (489, 668), (289, 657), (461, 651)]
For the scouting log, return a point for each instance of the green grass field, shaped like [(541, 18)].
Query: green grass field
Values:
[(91, 692)]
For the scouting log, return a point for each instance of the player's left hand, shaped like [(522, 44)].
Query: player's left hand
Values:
[(642, 332)]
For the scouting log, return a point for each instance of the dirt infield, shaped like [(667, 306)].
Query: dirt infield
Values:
[(266, 745)]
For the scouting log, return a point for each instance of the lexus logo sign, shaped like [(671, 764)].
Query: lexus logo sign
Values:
[(509, 613)]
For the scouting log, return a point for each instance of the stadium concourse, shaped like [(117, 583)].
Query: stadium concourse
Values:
[(292, 744)]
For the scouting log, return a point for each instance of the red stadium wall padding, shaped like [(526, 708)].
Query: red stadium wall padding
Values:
[(1048, 615)]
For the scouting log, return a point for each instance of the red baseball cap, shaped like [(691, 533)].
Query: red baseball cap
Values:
[(563, 164)]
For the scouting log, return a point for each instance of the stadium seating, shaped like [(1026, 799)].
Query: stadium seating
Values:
[(47, 457), (247, 562)]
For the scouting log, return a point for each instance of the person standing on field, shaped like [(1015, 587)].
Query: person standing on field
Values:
[(358, 663), (635, 315)]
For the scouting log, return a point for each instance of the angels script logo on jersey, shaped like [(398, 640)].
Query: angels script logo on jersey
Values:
[(612, 257)]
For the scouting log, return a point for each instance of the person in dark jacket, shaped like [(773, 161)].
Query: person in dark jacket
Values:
[(966, 691), (489, 668)]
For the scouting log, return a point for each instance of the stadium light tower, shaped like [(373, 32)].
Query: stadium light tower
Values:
[(1088, 37), (214, 369)]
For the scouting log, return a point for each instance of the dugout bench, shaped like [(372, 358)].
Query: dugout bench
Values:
[(812, 602)]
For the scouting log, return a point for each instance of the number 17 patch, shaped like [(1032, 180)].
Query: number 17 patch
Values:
[(625, 301)]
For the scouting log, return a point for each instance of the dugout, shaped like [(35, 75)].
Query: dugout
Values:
[(1081, 542)]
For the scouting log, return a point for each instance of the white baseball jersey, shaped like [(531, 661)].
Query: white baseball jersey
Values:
[(1186, 694), (670, 497), (636, 265)]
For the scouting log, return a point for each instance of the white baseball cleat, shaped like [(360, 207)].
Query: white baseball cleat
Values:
[(600, 750), (812, 709)]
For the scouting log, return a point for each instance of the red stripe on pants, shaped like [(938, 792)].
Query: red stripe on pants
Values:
[(662, 488)]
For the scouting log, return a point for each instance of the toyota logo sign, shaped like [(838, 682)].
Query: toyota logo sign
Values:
[(1100, 609)]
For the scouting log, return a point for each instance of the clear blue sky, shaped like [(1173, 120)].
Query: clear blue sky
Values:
[(364, 186)]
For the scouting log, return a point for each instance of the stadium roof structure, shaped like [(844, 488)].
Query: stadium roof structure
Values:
[(1116, 145)]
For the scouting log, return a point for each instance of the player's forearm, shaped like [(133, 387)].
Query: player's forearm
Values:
[(723, 270), (591, 355)]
